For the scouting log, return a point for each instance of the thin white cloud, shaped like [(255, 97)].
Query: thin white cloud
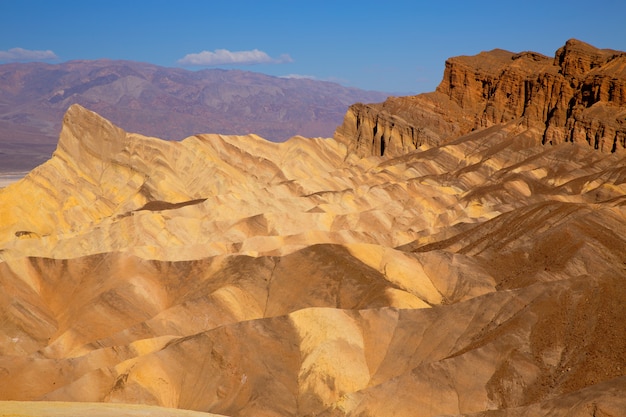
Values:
[(335, 80), (299, 77), (21, 54), (226, 57)]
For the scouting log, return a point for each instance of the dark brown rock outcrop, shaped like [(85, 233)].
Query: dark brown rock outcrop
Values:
[(577, 96)]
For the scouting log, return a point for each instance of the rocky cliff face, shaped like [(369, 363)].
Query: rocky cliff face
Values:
[(232, 275), (577, 96)]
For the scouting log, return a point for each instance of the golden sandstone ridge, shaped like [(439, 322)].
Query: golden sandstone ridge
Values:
[(480, 274)]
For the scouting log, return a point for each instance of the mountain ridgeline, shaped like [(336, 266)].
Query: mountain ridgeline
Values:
[(578, 96), (446, 254), (169, 103)]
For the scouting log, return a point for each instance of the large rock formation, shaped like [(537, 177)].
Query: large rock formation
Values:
[(231, 275), (577, 96), (169, 103)]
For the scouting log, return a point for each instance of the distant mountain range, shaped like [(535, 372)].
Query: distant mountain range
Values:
[(170, 103), (458, 253)]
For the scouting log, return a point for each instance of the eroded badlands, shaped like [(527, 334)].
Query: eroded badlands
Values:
[(478, 275)]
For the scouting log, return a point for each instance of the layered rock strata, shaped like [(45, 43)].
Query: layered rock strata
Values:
[(231, 275), (577, 96)]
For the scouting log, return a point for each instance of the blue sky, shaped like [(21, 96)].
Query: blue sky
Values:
[(385, 45)]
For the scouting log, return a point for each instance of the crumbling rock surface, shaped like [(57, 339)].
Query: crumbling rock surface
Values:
[(577, 96), (235, 276)]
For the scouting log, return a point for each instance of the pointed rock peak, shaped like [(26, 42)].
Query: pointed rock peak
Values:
[(575, 43), (577, 57), (86, 131)]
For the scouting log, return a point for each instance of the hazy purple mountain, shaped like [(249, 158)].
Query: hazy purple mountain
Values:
[(168, 103)]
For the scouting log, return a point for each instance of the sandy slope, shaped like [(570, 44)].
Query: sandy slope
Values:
[(235, 276), (71, 409)]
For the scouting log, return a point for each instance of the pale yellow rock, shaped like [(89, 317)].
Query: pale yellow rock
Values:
[(79, 409), (328, 337), (402, 270), (233, 275), (123, 203)]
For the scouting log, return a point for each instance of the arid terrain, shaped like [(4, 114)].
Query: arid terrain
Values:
[(168, 103), (457, 253)]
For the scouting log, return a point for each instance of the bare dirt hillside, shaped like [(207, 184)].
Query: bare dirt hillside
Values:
[(482, 275), (237, 276)]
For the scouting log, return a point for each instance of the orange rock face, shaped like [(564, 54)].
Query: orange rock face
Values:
[(482, 274), (577, 96)]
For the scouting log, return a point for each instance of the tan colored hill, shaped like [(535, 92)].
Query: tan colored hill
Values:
[(236, 276), (482, 275), (70, 409)]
